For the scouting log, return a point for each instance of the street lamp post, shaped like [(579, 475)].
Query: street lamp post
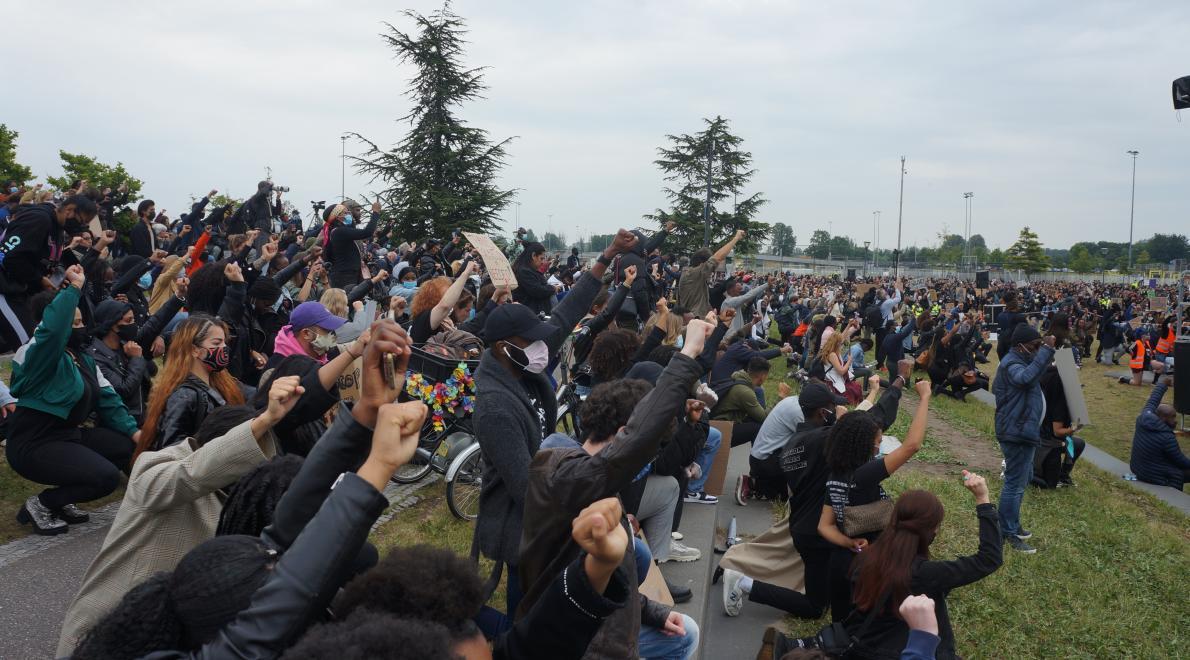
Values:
[(900, 215), (343, 168), (1132, 210), (866, 257), (876, 238), (830, 238), (967, 223), (1103, 271)]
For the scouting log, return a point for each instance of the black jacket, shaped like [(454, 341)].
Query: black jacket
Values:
[(533, 291), (644, 288), (888, 635), (142, 239), (131, 378), (345, 257), (33, 244), (185, 409), (562, 482), (509, 431)]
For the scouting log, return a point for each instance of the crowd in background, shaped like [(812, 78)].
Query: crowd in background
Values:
[(204, 362)]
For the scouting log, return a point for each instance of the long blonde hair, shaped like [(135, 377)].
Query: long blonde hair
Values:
[(335, 301), (830, 345), (672, 328), (178, 362)]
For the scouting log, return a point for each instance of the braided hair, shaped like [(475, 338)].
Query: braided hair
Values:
[(253, 499)]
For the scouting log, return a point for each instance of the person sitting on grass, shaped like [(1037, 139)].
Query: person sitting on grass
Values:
[(898, 565), (1156, 457)]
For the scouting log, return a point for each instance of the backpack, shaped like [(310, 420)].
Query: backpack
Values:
[(786, 320), (455, 345), (873, 317)]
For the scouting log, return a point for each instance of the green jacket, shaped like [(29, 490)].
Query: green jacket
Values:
[(45, 377), (740, 404)]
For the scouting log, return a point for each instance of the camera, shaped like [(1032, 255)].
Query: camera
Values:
[(283, 189), (318, 206)]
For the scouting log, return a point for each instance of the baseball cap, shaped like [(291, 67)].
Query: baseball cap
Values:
[(816, 395), (314, 314), (516, 320)]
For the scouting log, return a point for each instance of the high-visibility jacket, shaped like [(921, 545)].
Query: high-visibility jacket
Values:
[(1165, 344), (1138, 354)]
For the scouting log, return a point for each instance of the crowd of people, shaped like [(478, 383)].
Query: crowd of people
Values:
[(245, 374)]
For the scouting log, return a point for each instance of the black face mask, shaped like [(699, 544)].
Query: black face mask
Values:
[(78, 339), (126, 332)]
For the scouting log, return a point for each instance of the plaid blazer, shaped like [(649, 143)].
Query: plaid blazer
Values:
[(172, 504)]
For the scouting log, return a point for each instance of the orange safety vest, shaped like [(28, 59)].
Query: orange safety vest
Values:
[(1138, 355), (1165, 344)]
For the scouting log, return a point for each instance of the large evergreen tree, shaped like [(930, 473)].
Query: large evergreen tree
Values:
[(442, 175), (684, 164), (783, 242), (1027, 254), (10, 169)]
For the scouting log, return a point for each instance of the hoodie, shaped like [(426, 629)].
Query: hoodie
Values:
[(287, 344)]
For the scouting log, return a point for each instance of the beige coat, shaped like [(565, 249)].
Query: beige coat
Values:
[(171, 505)]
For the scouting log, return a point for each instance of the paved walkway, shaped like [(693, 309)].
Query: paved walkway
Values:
[(40, 575), (1172, 496)]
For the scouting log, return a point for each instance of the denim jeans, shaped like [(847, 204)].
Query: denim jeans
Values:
[(656, 644), (1018, 470), (491, 621), (704, 459)]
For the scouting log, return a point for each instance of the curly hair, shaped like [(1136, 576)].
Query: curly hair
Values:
[(612, 354), (252, 500), (367, 635), (609, 406), (142, 622), (850, 442), (221, 421), (429, 294), (417, 582)]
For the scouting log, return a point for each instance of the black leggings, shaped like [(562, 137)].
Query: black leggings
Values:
[(81, 464), (815, 564)]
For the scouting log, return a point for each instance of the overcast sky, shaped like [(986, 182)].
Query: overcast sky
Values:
[(1029, 105)]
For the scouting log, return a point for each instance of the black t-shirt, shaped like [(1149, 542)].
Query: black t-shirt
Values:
[(804, 463), (1056, 409), (420, 330), (538, 408), (856, 489)]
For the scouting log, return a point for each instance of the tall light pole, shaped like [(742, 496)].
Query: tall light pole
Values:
[(876, 238), (900, 211), (518, 217), (866, 258), (1132, 211), (549, 229), (343, 168), (830, 238), (967, 224)]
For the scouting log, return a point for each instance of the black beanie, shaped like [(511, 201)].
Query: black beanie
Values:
[(107, 314), (1024, 334)]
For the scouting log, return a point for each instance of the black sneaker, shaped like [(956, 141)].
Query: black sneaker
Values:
[(39, 515), (1020, 546), (679, 593), (72, 515)]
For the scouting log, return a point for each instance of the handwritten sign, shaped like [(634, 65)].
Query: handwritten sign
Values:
[(1076, 403), (493, 259), (862, 290)]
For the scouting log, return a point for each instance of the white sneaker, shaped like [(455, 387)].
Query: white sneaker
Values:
[(680, 552), (733, 596), (677, 536)]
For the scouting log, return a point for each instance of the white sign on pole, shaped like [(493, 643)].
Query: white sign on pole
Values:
[(493, 260), (1076, 403)]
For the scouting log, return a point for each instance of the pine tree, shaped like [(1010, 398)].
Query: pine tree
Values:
[(1027, 254), (442, 175), (10, 169), (684, 164)]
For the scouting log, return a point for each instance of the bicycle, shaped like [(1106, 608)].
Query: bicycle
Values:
[(452, 450)]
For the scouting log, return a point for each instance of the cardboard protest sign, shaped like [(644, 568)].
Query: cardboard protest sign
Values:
[(1076, 403), (493, 260), (862, 290), (1158, 303)]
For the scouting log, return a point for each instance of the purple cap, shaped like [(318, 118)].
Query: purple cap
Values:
[(313, 313)]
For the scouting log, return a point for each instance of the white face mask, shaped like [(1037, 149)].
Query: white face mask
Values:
[(537, 356)]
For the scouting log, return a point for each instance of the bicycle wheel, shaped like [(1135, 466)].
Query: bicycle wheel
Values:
[(462, 491), (422, 462)]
